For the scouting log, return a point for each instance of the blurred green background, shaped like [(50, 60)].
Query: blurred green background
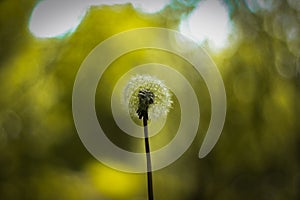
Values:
[(257, 156)]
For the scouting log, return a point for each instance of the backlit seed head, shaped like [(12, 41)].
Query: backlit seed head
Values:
[(147, 92)]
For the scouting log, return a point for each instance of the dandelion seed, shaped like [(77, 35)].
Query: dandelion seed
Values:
[(161, 99)]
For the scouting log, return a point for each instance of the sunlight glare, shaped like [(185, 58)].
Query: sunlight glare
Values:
[(150, 7), (208, 22), (58, 18)]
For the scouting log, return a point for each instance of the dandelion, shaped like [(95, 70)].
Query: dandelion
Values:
[(147, 96), (142, 83)]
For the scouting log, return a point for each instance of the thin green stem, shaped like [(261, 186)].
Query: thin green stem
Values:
[(149, 167)]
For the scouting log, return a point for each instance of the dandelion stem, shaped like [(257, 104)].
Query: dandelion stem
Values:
[(149, 168), (146, 98)]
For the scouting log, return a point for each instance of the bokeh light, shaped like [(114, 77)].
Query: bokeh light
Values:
[(59, 18), (208, 22), (56, 18)]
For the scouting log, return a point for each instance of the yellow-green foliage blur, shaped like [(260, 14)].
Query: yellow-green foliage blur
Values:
[(256, 157)]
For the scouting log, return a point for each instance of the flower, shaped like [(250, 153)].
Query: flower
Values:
[(162, 96)]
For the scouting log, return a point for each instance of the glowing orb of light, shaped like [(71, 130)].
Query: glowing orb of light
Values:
[(144, 5), (57, 18), (150, 6), (208, 22)]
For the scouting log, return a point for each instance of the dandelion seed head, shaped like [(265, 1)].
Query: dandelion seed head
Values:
[(162, 96)]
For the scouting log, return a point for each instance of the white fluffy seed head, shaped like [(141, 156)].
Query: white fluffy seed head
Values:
[(162, 96)]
